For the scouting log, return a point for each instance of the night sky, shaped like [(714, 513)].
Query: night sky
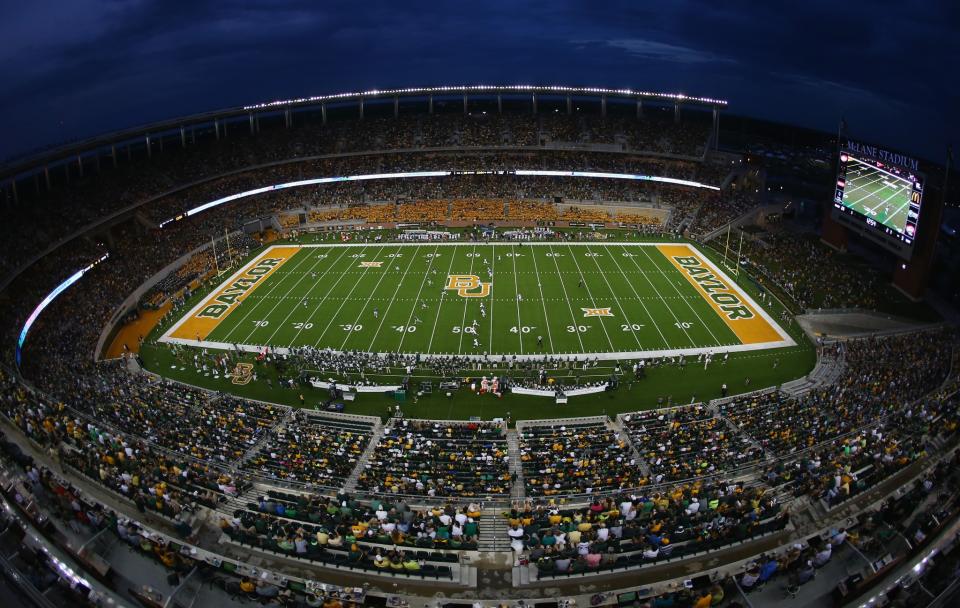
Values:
[(81, 67)]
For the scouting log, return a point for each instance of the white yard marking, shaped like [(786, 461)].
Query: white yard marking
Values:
[(573, 317), (689, 305), (417, 299), (294, 308), (413, 256), (443, 293), (623, 309), (386, 270), (262, 299), (493, 272), (653, 319), (542, 300), (325, 297), (516, 287), (603, 325), (466, 303), (357, 275), (660, 295), (345, 300)]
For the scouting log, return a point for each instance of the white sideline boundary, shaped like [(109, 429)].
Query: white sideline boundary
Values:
[(785, 341)]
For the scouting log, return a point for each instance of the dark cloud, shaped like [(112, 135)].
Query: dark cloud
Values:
[(88, 66)]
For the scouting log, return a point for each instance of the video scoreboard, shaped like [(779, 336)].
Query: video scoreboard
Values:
[(879, 194)]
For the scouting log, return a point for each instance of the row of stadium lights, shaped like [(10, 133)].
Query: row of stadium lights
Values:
[(488, 89)]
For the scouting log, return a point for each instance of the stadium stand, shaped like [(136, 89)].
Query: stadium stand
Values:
[(317, 450), (406, 499), (439, 459)]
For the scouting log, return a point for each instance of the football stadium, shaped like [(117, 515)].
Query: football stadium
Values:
[(476, 346)]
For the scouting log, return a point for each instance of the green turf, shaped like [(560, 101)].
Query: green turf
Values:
[(322, 297), (662, 386), (879, 196), (667, 384)]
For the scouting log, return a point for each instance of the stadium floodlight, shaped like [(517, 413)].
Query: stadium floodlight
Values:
[(522, 88), (48, 300), (416, 174)]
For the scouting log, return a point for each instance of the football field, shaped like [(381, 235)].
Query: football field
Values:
[(609, 300), (878, 195)]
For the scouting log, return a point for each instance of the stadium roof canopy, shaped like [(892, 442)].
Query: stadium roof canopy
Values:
[(98, 145)]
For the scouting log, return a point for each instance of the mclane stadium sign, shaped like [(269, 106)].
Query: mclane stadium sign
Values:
[(894, 158)]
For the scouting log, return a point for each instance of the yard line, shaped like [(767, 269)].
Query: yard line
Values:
[(869, 182), (347, 298), (543, 301), (326, 295), (395, 291), (615, 298), (875, 193), (567, 299), (417, 300), (294, 307), (653, 319), (273, 288), (897, 212), (690, 306), (516, 285), (592, 301), (367, 301), (897, 193), (660, 295), (493, 271), (443, 292), (466, 302)]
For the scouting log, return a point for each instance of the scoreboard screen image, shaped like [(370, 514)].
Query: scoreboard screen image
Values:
[(885, 197)]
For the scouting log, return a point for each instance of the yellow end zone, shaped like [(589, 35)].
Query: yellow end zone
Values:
[(722, 294), (207, 315)]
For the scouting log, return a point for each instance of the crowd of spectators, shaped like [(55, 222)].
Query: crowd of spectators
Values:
[(636, 529), (800, 265), (308, 523), (439, 459), (315, 450), (78, 198), (869, 424), (720, 209), (688, 442), (151, 476), (576, 458)]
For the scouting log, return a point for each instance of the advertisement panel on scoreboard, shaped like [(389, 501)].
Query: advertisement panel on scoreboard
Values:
[(880, 194)]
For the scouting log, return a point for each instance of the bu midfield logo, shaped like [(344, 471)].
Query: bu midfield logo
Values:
[(465, 284), (242, 373), (596, 312)]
